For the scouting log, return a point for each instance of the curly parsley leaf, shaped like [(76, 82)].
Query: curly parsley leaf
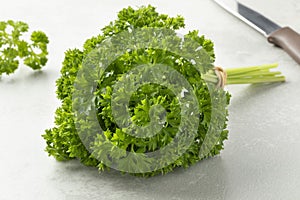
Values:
[(13, 48)]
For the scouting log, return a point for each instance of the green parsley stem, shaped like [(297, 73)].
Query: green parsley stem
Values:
[(247, 75)]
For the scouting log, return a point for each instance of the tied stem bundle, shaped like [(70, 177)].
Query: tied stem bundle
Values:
[(244, 75)]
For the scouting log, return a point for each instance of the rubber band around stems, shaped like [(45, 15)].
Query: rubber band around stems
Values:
[(222, 76)]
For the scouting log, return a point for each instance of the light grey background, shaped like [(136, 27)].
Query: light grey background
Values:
[(261, 157)]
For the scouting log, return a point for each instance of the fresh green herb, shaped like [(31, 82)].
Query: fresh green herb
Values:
[(65, 142), (13, 47)]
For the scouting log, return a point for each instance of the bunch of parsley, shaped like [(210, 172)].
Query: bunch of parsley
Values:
[(64, 142)]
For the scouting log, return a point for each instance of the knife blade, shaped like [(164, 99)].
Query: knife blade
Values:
[(283, 37)]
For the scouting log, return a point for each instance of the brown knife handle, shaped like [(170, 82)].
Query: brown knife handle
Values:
[(288, 40)]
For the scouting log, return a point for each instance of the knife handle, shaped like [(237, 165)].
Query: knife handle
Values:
[(288, 40)]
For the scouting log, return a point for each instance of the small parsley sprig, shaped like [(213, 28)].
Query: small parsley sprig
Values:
[(13, 48)]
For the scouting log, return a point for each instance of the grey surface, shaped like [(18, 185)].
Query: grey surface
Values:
[(261, 157)]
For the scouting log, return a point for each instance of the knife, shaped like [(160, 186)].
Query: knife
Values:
[(283, 37)]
